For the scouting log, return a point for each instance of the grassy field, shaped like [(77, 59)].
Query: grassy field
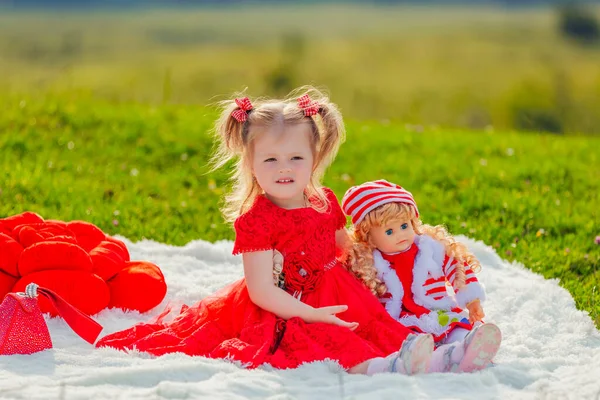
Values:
[(140, 171), (451, 67)]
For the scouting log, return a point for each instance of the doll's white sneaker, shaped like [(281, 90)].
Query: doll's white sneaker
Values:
[(474, 353), (481, 346), (413, 357)]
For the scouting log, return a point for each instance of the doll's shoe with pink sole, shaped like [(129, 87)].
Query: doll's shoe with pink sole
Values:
[(481, 345), (414, 355)]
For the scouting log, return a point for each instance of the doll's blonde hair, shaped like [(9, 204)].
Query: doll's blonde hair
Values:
[(361, 256), (234, 142)]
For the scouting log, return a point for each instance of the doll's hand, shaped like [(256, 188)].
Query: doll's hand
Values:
[(277, 268), (475, 311), (327, 315), (343, 245), (342, 255)]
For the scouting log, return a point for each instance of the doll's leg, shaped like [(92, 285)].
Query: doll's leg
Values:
[(458, 334), (473, 353), (449, 352), (412, 358)]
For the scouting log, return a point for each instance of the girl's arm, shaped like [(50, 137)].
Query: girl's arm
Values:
[(343, 242), (258, 270)]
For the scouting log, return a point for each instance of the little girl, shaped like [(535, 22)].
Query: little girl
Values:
[(319, 310), (407, 264)]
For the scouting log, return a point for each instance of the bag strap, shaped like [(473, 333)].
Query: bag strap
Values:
[(83, 325)]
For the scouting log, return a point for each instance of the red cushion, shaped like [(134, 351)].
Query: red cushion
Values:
[(108, 259), (54, 227), (10, 251), (83, 290), (54, 255), (139, 286), (19, 219), (7, 283), (29, 236), (5, 230), (88, 235), (62, 238), (57, 222), (125, 252)]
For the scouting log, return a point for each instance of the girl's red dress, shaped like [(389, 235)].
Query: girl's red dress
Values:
[(229, 325)]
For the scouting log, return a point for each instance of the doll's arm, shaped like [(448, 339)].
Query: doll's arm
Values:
[(258, 271), (475, 311), (470, 291)]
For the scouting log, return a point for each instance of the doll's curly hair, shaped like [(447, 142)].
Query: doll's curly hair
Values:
[(361, 254)]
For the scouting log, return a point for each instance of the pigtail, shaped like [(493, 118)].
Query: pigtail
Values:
[(328, 134), (231, 138), (229, 135), (330, 125), (334, 134)]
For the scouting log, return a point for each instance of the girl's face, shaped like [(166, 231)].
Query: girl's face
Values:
[(395, 236), (282, 163)]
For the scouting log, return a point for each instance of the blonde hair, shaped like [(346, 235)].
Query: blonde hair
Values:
[(234, 142), (361, 256)]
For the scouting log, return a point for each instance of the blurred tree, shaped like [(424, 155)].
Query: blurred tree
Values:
[(284, 76), (578, 22), (538, 107)]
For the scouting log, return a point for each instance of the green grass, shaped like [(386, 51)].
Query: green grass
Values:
[(140, 171), (449, 66)]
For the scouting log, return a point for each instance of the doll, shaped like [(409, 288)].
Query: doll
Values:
[(409, 265)]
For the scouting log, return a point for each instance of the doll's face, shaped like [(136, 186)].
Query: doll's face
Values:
[(282, 164), (395, 236)]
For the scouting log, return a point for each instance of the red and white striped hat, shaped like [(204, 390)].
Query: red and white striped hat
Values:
[(360, 200)]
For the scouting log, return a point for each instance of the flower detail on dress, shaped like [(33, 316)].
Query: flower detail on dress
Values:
[(301, 273)]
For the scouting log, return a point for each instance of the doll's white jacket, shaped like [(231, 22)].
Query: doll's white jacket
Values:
[(432, 270)]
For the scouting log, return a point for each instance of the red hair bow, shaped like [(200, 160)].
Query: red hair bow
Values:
[(310, 107), (241, 114)]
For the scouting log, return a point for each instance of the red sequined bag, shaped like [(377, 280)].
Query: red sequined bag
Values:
[(23, 329)]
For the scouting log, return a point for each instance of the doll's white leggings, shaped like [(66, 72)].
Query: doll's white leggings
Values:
[(457, 335)]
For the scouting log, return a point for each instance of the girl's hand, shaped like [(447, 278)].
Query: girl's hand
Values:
[(327, 315), (475, 311)]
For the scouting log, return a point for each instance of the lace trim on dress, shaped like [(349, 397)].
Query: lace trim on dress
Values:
[(251, 250)]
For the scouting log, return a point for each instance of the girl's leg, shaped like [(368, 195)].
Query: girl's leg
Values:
[(363, 367), (412, 358)]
